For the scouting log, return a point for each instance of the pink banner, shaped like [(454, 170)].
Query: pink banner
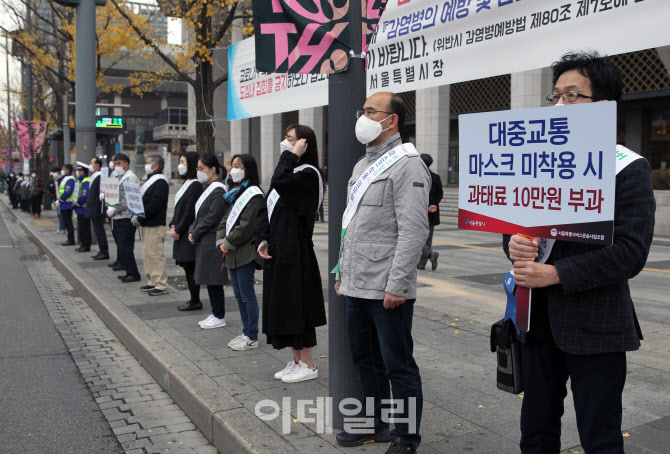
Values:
[(23, 131), (38, 130)]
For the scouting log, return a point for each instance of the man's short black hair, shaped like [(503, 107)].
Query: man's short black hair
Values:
[(427, 159), (121, 157), (98, 161), (398, 107), (68, 167), (56, 169), (605, 77)]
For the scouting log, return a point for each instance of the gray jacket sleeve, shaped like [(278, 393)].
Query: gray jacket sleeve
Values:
[(410, 200)]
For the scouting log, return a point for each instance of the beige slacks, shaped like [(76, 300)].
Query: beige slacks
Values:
[(153, 255)]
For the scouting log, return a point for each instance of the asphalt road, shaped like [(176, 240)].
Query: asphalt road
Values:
[(45, 405)]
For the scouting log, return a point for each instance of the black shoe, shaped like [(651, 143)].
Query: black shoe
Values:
[(348, 440), (156, 292), (146, 288), (123, 276), (433, 260), (400, 446), (127, 279), (101, 257), (83, 249), (68, 243), (117, 268), (114, 263), (190, 306)]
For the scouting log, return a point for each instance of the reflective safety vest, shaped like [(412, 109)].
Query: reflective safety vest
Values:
[(61, 188)]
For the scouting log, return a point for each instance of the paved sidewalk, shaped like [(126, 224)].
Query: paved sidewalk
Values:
[(463, 411)]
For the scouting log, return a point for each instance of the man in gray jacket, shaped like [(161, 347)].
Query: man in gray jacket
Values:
[(386, 228), (123, 229)]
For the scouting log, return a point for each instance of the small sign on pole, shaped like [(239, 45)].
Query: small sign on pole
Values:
[(134, 198), (111, 191)]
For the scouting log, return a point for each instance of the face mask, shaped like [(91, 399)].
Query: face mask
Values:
[(182, 169), (368, 130), (119, 170), (61, 173), (147, 168), (203, 177), (111, 165), (285, 145), (91, 168), (237, 175), (34, 175)]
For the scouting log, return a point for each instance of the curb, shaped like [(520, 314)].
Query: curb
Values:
[(225, 422)]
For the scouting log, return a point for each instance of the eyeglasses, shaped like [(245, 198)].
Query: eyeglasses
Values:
[(368, 111), (567, 97)]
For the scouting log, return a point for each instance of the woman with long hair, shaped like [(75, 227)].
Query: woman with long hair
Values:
[(293, 305), (184, 214), (202, 233), (236, 240)]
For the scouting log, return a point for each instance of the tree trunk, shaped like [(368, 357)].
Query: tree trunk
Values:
[(204, 102)]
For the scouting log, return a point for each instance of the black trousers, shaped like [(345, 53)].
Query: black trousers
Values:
[(14, 198), (25, 205), (597, 383), (36, 202), (67, 221), (125, 237), (100, 234), (217, 299), (84, 230), (193, 288)]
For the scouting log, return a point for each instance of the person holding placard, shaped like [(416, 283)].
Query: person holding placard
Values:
[(236, 240), (83, 223), (120, 217), (184, 214), (384, 228), (94, 210), (583, 321), (209, 210), (293, 305), (155, 193), (65, 200)]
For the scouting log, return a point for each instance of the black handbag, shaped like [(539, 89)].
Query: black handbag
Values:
[(506, 345)]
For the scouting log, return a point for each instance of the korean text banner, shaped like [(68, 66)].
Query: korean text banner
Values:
[(302, 36), (543, 172), (23, 131), (252, 93), (427, 43), (38, 131)]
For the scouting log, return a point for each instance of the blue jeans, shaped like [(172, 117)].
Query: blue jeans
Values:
[(381, 347), (242, 279)]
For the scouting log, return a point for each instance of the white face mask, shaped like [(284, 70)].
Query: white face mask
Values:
[(119, 170), (202, 177), (182, 169), (91, 168), (111, 165), (237, 175), (61, 173), (147, 168), (34, 175), (285, 145), (368, 130)]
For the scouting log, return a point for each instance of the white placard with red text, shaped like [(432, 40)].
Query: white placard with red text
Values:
[(252, 93), (543, 172)]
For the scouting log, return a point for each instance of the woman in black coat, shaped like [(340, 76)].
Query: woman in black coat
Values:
[(184, 214), (209, 210), (293, 304)]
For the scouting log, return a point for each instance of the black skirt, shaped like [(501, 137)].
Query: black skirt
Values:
[(299, 341)]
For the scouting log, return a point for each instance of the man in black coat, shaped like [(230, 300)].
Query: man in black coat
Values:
[(434, 199), (11, 182), (155, 194), (95, 211), (582, 319)]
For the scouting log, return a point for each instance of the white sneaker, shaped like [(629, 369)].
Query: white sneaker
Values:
[(287, 370), (301, 373), (207, 320), (245, 344), (235, 340), (214, 323)]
